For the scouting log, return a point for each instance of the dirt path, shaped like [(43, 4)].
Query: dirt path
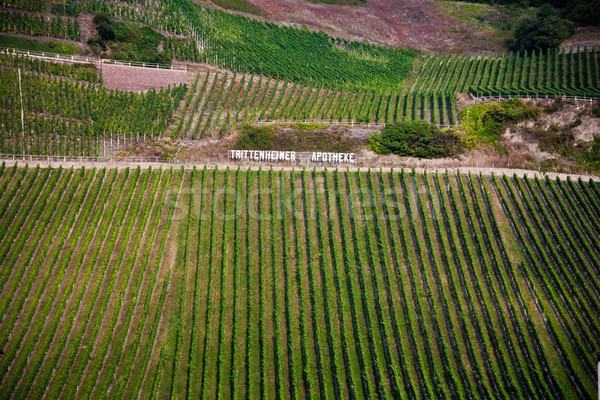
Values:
[(223, 166)]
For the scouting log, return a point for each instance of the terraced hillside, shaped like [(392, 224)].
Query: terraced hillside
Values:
[(49, 108), (390, 85), (156, 283), (574, 73), (219, 103)]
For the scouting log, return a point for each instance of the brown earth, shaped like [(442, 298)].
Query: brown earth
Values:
[(139, 78)]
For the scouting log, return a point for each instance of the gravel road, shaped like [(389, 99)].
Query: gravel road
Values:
[(157, 165)]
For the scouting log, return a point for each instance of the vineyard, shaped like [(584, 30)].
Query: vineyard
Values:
[(264, 284), (270, 72), (67, 112), (73, 116), (37, 25), (574, 72), (219, 103)]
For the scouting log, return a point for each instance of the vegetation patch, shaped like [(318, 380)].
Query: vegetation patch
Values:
[(297, 137), (294, 54), (255, 138), (239, 5), (416, 139), (126, 41), (309, 126), (38, 45), (543, 30), (485, 122)]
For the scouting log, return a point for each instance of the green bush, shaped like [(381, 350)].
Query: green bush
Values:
[(485, 122), (555, 139), (594, 152), (416, 139), (127, 41), (38, 45), (587, 13), (255, 137), (544, 30)]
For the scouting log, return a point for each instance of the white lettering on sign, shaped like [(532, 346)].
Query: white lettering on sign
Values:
[(318, 156), (276, 155)]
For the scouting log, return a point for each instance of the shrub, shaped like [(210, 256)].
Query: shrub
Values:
[(255, 137), (127, 41), (544, 30), (555, 106), (587, 13), (416, 139), (486, 121), (555, 139)]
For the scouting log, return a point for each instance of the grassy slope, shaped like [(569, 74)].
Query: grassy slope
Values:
[(55, 46)]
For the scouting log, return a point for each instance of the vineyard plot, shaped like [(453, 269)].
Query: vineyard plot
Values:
[(248, 283)]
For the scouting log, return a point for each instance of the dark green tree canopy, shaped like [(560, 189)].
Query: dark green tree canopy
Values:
[(587, 13), (544, 30), (416, 139)]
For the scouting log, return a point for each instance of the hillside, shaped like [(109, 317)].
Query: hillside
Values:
[(68, 110), (154, 283), (424, 25), (388, 275)]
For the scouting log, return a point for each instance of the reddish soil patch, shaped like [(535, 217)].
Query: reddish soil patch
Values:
[(138, 78), (420, 24)]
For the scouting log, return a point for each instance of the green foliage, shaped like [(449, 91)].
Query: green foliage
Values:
[(591, 157), (255, 137), (247, 45), (38, 45), (127, 41), (545, 30), (554, 139), (486, 121), (345, 2), (416, 139), (586, 13), (239, 5), (38, 25), (309, 126), (376, 145)]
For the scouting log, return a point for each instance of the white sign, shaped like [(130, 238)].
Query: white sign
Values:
[(260, 155), (333, 157), (292, 156)]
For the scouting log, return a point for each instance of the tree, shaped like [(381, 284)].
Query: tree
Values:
[(416, 139), (587, 13), (544, 30)]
